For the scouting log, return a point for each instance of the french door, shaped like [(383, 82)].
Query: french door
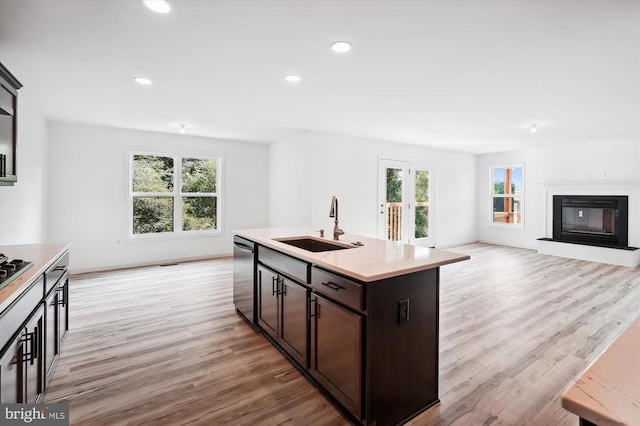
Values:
[(405, 202)]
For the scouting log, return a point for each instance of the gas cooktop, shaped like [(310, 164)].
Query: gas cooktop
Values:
[(11, 269)]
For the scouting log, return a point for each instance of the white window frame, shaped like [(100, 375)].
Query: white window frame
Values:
[(520, 197), (177, 195)]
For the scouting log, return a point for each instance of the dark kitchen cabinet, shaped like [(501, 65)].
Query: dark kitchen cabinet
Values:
[(12, 373), (56, 312), (371, 347), (336, 351), (9, 86), (51, 347), (282, 313), (63, 309), (21, 366), (268, 301)]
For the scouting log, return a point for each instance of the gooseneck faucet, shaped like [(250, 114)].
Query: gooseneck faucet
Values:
[(333, 212)]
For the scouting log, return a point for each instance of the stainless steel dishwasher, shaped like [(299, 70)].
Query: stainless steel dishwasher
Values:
[(244, 264)]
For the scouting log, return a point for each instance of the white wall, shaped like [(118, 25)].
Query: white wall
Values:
[(347, 167), (587, 167), (88, 194), (23, 205), (289, 162)]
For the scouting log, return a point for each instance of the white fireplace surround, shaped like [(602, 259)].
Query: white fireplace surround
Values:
[(631, 189)]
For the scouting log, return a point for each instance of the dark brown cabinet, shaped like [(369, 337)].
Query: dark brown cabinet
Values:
[(56, 312), (21, 364), (336, 351), (32, 328), (268, 301), (282, 312), (9, 86), (371, 347)]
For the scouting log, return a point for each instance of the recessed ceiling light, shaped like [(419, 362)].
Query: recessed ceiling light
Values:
[(533, 128), (183, 128), (341, 46), (160, 6), (292, 78), (143, 80)]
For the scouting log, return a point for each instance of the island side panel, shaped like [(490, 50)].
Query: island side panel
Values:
[(402, 357)]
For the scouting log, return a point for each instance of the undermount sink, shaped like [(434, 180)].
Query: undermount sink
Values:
[(312, 244)]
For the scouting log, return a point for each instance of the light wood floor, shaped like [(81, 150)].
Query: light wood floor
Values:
[(163, 345)]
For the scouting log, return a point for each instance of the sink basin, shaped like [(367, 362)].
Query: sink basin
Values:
[(312, 244)]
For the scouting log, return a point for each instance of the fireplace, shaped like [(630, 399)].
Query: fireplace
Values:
[(591, 219)]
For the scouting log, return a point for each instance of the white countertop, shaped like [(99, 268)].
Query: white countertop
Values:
[(42, 256), (376, 260), (608, 392)]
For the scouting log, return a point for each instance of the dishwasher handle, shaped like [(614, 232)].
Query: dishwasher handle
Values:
[(243, 247)]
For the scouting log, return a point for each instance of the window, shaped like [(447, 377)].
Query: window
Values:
[(170, 190), (507, 195)]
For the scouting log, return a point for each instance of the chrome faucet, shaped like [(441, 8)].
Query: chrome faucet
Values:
[(333, 212)]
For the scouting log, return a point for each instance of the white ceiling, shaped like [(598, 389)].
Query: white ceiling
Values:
[(464, 75)]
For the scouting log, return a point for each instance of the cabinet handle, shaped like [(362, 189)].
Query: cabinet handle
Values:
[(61, 298), (32, 342), (283, 288), (317, 310), (274, 291), (333, 286), (60, 268)]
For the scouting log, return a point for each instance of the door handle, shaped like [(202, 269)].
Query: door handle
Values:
[(274, 291)]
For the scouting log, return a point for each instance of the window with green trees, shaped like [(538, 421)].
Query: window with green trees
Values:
[(170, 190)]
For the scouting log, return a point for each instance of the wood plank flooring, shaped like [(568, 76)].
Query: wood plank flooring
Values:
[(164, 346)]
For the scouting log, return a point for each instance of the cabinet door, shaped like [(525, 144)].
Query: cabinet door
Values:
[(268, 301), (63, 310), (12, 373), (294, 326), (32, 343), (50, 332), (336, 351)]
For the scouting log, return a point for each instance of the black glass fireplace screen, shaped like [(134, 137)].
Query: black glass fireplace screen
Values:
[(597, 220)]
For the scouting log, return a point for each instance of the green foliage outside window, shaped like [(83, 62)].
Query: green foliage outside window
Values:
[(153, 176), (422, 211)]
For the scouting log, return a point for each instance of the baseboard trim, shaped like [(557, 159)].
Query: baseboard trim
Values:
[(84, 271)]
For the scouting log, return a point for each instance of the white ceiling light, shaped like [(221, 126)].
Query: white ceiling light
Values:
[(159, 6), (292, 78), (341, 46), (533, 128), (143, 81), (183, 128)]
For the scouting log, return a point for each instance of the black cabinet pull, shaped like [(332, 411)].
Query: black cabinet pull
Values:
[(333, 286), (30, 339), (61, 299), (283, 289), (274, 291), (317, 310), (34, 344)]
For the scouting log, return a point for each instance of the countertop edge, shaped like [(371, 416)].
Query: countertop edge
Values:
[(303, 255), (591, 405), (15, 289)]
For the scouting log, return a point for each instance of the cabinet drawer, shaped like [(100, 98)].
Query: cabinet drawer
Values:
[(56, 271), (338, 288), (283, 263), (13, 317)]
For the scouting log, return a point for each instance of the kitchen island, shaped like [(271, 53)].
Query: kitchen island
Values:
[(358, 317), (608, 392)]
